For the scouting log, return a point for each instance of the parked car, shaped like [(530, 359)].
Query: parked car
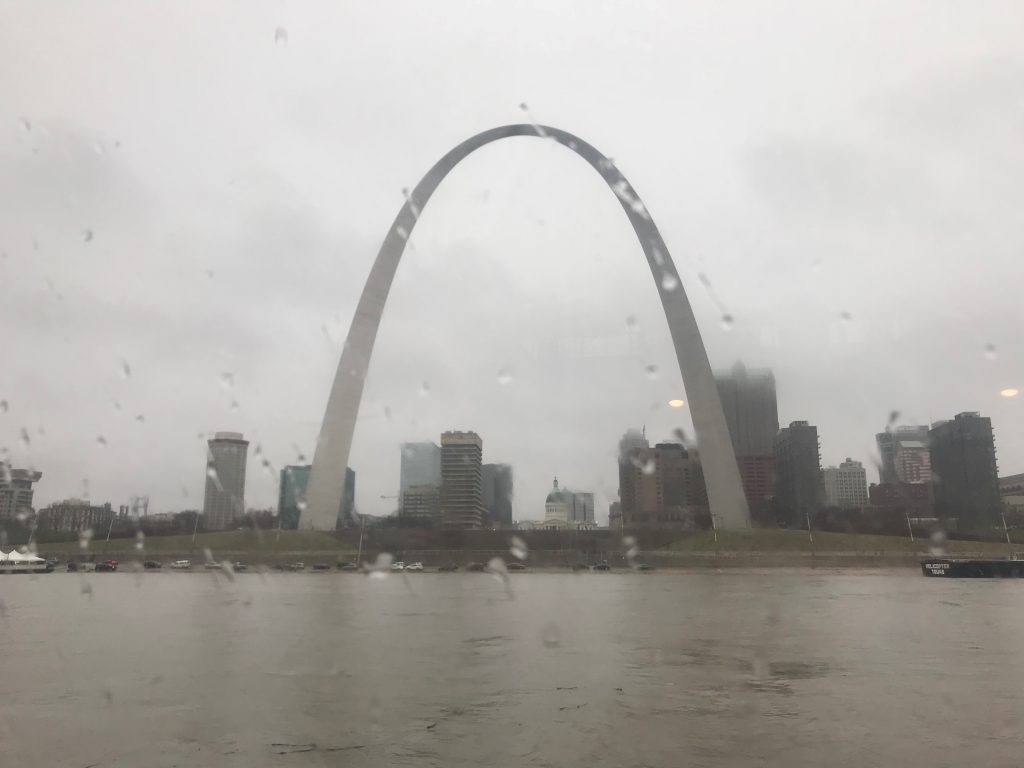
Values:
[(107, 565), (448, 568), (152, 565), (348, 567), (297, 566), (414, 567), (398, 566), (602, 566), (644, 567), (514, 566), (236, 566), (321, 567), (475, 567)]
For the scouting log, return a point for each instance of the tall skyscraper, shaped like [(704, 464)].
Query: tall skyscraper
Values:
[(661, 486), (421, 506), (582, 511), (905, 457), (496, 491), (752, 415), (421, 465), (846, 486), (964, 471), (461, 467), (291, 497), (224, 499), (797, 474), (16, 491)]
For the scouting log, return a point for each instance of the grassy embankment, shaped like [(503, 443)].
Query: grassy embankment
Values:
[(310, 545)]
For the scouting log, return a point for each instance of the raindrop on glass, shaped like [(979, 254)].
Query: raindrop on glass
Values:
[(505, 376), (227, 380), (140, 541), (990, 351), (3, 406), (234, 405), (281, 36), (126, 370), (84, 537), (517, 547), (551, 636), (24, 439), (893, 417), (26, 124), (87, 235), (101, 441), (846, 317), (669, 281), (381, 567), (402, 233), (424, 389), (727, 322), (631, 322), (937, 543), (140, 418), (651, 371), (86, 588)]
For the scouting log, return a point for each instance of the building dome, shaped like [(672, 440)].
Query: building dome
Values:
[(556, 496)]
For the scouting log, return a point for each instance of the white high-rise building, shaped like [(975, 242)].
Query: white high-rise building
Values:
[(224, 499), (846, 485)]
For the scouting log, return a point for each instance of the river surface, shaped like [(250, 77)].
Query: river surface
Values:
[(776, 668)]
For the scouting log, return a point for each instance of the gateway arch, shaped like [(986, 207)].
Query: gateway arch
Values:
[(327, 479)]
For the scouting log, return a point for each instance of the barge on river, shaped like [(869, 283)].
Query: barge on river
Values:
[(998, 568)]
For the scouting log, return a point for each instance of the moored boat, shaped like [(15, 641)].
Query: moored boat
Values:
[(997, 568)]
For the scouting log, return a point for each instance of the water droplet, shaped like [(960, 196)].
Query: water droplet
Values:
[(227, 569), (704, 279), (3, 406), (84, 537), (646, 466), (846, 317), (727, 322), (402, 233), (538, 129), (87, 235), (413, 208), (211, 472), (893, 417), (606, 164), (505, 376), (518, 548), (1009, 392), (551, 636), (234, 405), (651, 371), (26, 124), (281, 36), (680, 435), (126, 370), (631, 322), (86, 588), (669, 281), (990, 351), (424, 389), (21, 516), (381, 567), (140, 418), (937, 543), (101, 441), (24, 439), (676, 403), (227, 380), (115, 405), (140, 541)]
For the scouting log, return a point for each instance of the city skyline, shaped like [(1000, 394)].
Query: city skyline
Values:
[(219, 299)]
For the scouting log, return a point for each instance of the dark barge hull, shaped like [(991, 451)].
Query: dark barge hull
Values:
[(973, 569)]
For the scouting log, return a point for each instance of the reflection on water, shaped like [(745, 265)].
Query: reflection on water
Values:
[(776, 668)]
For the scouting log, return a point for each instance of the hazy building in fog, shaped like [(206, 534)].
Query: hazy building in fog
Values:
[(752, 414), (845, 486), (905, 456), (291, 496), (421, 506), (661, 486), (581, 514), (74, 515), (798, 491), (965, 477), (461, 469), (16, 491), (557, 507), (421, 465), (224, 499), (496, 490)]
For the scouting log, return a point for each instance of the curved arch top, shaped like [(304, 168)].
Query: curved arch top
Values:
[(327, 479)]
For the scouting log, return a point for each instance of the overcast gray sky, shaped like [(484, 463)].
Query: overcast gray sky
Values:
[(191, 195)]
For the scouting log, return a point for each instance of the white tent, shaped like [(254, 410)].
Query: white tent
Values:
[(16, 557)]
